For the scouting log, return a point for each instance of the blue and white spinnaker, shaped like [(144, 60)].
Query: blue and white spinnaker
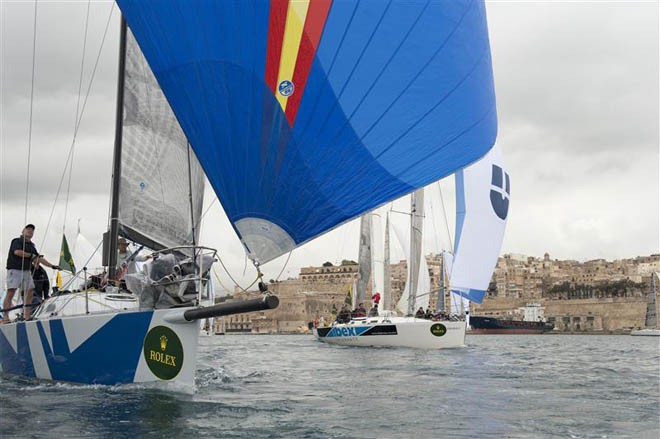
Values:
[(482, 207)]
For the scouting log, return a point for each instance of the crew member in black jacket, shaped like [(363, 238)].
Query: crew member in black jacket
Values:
[(22, 256)]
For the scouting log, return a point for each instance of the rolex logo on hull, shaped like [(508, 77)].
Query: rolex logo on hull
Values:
[(163, 352)]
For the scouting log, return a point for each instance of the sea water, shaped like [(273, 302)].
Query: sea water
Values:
[(250, 386)]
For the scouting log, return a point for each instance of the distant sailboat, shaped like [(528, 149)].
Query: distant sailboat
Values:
[(652, 327), (483, 191), (386, 328)]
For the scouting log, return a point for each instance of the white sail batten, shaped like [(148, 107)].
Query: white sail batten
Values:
[(482, 206)]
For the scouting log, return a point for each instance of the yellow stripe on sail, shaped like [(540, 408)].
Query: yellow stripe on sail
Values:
[(295, 22)]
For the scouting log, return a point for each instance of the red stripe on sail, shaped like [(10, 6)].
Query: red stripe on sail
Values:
[(276, 22), (316, 17)]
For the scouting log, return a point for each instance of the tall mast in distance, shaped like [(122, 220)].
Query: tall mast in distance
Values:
[(416, 225), (113, 235), (387, 269), (364, 258)]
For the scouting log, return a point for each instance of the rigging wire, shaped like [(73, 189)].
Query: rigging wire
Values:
[(75, 126), (82, 112), (284, 266), (234, 280), (444, 211), (435, 230), (217, 277), (198, 224), (29, 154), (190, 195)]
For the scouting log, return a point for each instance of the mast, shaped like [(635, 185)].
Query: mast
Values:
[(416, 225), (116, 161), (440, 304), (190, 196), (387, 269), (364, 258)]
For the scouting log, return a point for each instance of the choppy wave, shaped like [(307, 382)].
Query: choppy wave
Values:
[(293, 387)]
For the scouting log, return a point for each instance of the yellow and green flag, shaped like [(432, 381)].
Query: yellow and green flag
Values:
[(66, 260), (348, 300)]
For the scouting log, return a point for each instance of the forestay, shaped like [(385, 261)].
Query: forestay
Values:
[(154, 204), (307, 114), (482, 207)]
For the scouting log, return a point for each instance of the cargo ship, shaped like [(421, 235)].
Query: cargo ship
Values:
[(491, 325), (532, 322)]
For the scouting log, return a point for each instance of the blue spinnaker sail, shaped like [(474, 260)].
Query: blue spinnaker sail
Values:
[(306, 114)]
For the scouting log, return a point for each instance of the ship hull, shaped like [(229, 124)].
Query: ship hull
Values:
[(395, 332), (505, 331), (489, 325), (113, 348)]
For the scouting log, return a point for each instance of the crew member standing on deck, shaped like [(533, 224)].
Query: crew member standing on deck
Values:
[(125, 257), (376, 298), (22, 255), (41, 282)]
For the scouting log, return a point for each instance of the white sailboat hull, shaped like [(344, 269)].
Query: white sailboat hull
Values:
[(407, 332), (649, 332), (130, 346)]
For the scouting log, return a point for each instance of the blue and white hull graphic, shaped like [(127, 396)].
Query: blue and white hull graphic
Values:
[(113, 348), (395, 332)]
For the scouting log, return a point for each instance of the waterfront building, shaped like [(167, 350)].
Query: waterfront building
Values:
[(595, 295)]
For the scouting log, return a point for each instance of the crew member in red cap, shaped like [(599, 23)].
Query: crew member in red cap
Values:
[(22, 256)]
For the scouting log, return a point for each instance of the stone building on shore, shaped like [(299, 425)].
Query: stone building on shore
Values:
[(596, 295)]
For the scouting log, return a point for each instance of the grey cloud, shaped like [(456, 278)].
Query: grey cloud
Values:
[(585, 73)]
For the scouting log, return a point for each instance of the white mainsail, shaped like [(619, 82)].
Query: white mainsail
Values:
[(417, 289), (364, 259)]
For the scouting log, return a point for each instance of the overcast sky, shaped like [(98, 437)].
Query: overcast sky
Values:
[(577, 92)]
